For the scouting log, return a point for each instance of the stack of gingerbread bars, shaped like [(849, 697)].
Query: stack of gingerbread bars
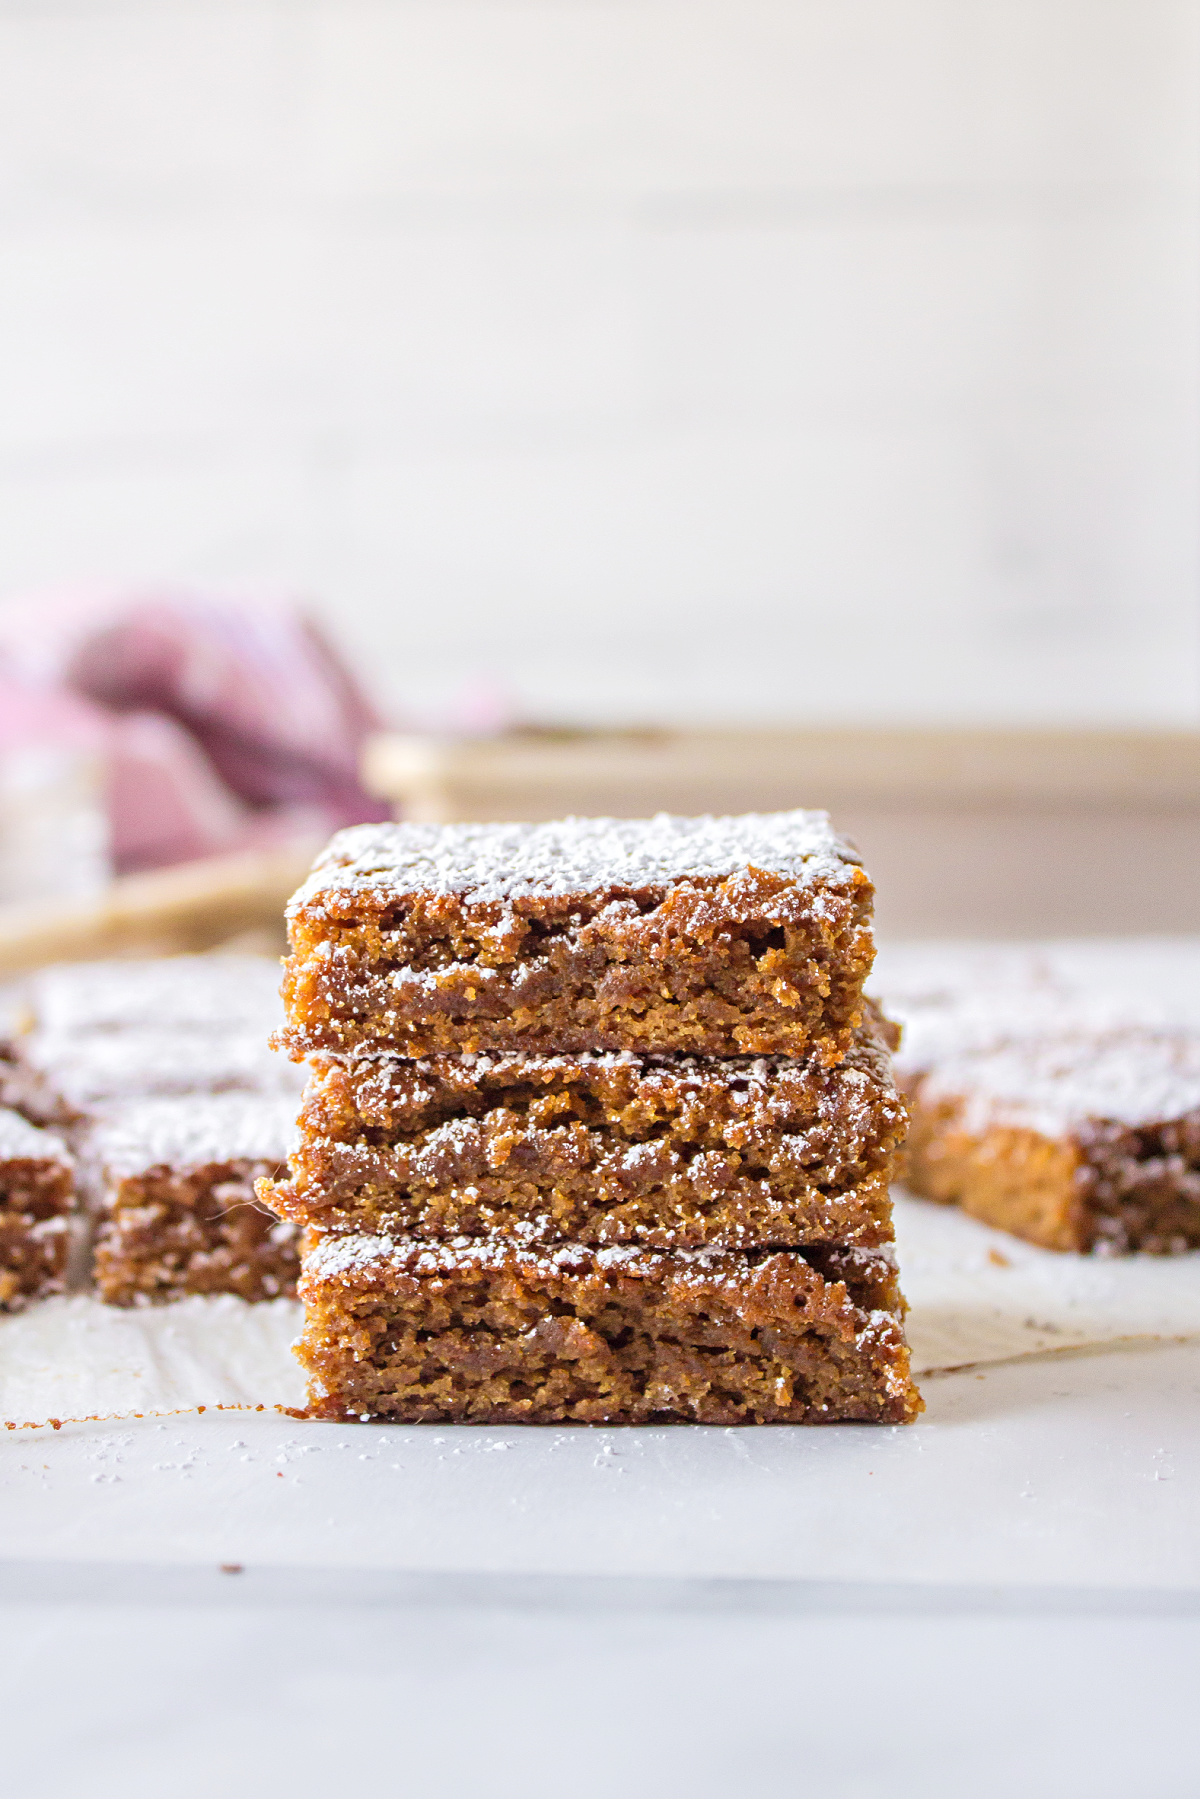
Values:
[(599, 1127)]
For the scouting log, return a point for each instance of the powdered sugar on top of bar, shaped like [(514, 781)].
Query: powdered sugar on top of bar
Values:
[(191, 993), (829, 1116), (936, 1037), (20, 1139), (1136, 1076), (739, 1072), (753, 1071), (490, 863), (193, 1133), (357, 1251), (1050, 1035), (955, 996), (76, 1075)]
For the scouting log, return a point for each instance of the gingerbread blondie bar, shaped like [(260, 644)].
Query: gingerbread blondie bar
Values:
[(1055, 1087), (174, 1194), (669, 1152), (716, 937), (1076, 1141), (37, 1198), (490, 1333)]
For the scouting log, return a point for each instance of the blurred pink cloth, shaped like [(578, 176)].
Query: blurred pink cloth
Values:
[(225, 721), (32, 714), (166, 802)]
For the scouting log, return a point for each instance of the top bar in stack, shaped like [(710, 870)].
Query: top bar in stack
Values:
[(716, 936)]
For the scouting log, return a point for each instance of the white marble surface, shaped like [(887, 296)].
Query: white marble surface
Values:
[(1014, 1580), (1077, 1466), (1081, 1468), (73, 1357), (233, 1691), (1003, 1599), (981, 1296)]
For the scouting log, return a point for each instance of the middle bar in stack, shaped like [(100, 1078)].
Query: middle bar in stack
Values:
[(542, 1177)]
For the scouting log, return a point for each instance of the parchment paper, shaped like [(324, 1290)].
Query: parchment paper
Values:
[(977, 1296)]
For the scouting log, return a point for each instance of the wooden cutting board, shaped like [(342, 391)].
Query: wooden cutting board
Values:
[(973, 833), (194, 906)]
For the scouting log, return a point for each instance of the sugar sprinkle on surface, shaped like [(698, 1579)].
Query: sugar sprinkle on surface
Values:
[(21, 1141), (193, 1133), (1052, 1035), (1057, 1084), (496, 862), (108, 1067), (215, 993), (356, 1252)]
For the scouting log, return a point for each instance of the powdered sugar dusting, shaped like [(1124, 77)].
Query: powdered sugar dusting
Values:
[(1057, 1084), (82, 1074), (191, 993), (193, 1133), (936, 1037), (21, 1140), (751, 1074), (483, 863), (954, 998), (354, 1253), (1050, 1035)]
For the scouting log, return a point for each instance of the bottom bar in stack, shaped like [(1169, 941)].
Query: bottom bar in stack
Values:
[(488, 1332)]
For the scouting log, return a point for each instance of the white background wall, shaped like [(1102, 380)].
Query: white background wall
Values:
[(779, 359)]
